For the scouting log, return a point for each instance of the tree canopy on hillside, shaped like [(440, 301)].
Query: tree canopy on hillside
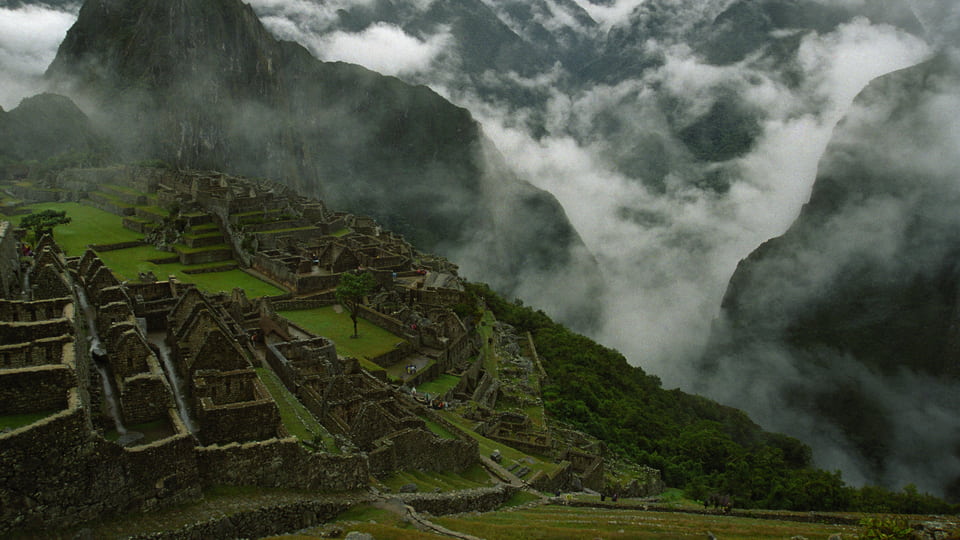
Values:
[(697, 444)]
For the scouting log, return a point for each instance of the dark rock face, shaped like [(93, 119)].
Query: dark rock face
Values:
[(859, 300), (202, 84)]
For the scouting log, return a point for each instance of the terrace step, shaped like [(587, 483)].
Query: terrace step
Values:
[(203, 240), (202, 255)]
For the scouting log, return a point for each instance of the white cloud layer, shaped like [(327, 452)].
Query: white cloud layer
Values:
[(29, 37)]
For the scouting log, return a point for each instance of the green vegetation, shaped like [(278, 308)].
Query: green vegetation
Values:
[(128, 263), (427, 481), (296, 418), (16, 421), (697, 444), (439, 386), (886, 528), (88, 226), (352, 289), (44, 221), (559, 522), (337, 327)]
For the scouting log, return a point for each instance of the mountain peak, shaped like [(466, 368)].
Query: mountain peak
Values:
[(156, 43)]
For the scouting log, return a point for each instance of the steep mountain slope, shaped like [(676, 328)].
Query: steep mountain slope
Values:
[(856, 306), (44, 126), (203, 84)]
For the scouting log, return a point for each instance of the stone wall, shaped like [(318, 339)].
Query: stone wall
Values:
[(244, 421), (41, 352), (312, 283), (389, 358), (9, 261), (20, 332), (296, 305), (562, 479), (118, 245), (386, 322), (35, 389), (415, 449), (145, 398), (207, 256), (280, 463), (257, 523), (18, 311), (473, 500), (54, 474)]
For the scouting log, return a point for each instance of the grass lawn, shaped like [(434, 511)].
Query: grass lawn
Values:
[(439, 386), (558, 522), (16, 421), (128, 263), (296, 418), (88, 226), (338, 327)]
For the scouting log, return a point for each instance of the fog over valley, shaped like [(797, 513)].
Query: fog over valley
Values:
[(682, 137)]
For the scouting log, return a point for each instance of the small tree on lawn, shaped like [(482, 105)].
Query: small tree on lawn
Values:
[(42, 223), (351, 290)]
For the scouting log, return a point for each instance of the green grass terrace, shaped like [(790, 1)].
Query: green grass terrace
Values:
[(337, 327), (90, 225)]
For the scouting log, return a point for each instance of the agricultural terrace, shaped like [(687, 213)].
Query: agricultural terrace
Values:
[(333, 323), (93, 226)]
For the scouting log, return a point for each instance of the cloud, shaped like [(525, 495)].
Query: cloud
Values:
[(29, 37), (384, 48)]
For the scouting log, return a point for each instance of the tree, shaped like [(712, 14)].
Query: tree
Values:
[(43, 222), (351, 290)]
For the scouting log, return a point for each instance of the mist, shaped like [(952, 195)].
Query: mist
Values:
[(29, 37)]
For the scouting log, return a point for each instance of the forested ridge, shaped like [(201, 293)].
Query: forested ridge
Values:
[(698, 445)]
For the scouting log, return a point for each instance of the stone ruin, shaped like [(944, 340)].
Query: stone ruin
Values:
[(99, 356)]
